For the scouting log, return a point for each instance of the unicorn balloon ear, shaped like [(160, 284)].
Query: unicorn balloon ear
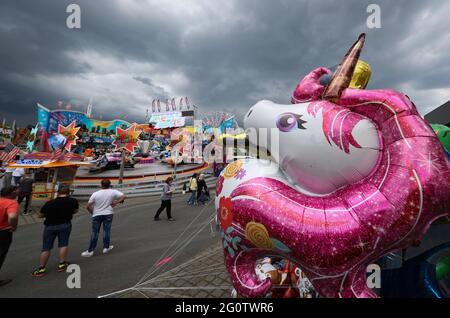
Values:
[(343, 76)]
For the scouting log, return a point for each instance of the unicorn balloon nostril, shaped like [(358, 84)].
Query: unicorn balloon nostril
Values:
[(358, 174)]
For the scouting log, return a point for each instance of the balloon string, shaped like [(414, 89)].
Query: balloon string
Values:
[(173, 256), (165, 254)]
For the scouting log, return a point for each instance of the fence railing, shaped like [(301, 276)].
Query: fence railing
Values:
[(137, 189)]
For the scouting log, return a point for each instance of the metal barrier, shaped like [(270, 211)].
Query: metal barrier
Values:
[(148, 188)]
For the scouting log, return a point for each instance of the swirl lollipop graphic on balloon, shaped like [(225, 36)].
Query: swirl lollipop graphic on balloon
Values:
[(358, 174)]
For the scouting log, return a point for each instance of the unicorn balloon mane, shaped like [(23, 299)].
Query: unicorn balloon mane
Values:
[(358, 174)]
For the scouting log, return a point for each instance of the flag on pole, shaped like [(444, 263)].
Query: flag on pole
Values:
[(9, 153), (43, 117), (159, 106), (154, 105), (174, 106), (181, 103), (89, 109), (187, 103), (167, 105)]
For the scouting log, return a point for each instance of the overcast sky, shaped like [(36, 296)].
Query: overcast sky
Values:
[(224, 55)]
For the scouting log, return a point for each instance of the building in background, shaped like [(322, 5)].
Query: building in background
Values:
[(440, 115)]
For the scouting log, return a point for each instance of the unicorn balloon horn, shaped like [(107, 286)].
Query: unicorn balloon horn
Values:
[(343, 76)]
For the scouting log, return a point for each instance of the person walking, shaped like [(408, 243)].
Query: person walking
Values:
[(58, 224), (17, 174), (193, 189), (166, 200), (201, 189), (9, 218), (7, 181), (25, 191), (101, 206)]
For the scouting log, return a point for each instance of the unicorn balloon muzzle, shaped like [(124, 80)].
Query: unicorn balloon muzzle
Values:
[(319, 146)]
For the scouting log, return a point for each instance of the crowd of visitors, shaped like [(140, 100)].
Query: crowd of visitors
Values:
[(57, 214)]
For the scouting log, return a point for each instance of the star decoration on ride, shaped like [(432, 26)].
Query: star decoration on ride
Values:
[(70, 132), (127, 138), (34, 131), (30, 145)]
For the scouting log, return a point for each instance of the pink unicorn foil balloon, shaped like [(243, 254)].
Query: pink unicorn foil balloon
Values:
[(353, 180)]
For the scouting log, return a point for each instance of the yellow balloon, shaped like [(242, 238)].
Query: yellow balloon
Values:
[(361, 75)]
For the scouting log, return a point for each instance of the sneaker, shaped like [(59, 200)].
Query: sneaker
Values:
[(5, 282), (156, 219), (39, 272), (107, 250), (87, 254), (62, 267), (171, 219)]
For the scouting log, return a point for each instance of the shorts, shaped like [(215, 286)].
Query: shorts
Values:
[(62, 231)]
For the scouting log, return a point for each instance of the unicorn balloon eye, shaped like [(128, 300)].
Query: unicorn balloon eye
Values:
[(288, 121)]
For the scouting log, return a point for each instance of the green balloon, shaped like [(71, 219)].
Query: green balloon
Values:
[(443, 267), (443, 132)]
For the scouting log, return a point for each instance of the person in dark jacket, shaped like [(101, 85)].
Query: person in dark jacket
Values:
[(166, 200), (201, 189), (25, 191)]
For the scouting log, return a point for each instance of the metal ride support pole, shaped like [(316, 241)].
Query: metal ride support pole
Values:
[(54, 181), (175, 166), (122, 168)]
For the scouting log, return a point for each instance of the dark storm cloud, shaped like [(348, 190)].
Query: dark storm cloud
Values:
[(224, 56), (157, 91)]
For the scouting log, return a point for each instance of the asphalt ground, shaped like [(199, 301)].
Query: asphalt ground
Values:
[(139, 242)]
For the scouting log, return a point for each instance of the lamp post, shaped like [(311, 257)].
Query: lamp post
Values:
[(122, 167), (126, 140)]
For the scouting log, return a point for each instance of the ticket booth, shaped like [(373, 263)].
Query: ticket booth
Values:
[(49, 176), (47, 181)]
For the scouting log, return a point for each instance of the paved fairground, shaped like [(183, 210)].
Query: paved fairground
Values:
[(149, 259), (203, 276)]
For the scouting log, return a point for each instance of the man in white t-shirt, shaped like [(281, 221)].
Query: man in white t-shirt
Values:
[(101, 206), (17, 174)]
